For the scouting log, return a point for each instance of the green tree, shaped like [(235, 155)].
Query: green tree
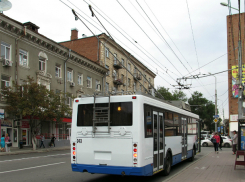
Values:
[(33, 100), (204, 108), (175, 95)]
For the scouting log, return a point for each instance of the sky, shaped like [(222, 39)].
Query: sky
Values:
[(174, 39)]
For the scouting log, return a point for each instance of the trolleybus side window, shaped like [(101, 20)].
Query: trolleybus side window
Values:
[(120, 114), (170, 130), (148, 121), (192, 126)]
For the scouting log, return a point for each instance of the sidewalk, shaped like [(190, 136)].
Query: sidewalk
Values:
[(28, 149), (212, 167)]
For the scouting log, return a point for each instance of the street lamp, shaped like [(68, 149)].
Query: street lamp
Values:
[(225, 4), (215, 99)]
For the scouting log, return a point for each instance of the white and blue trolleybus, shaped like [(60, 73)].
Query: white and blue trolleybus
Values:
[(130, 135)]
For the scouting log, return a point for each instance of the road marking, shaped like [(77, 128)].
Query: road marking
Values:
[(196, 168), (31, 167), (33, 157)]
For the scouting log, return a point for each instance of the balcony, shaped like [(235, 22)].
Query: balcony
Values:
[(118, 82), (117, 64), (137, 76)]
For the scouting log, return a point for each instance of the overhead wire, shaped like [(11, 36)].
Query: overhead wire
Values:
[(167, 33), (149, 38), (133, 40)]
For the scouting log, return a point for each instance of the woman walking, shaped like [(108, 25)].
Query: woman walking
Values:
[(216, 142)]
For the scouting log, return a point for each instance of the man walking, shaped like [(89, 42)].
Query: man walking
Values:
[(42, 140), (234, 140)]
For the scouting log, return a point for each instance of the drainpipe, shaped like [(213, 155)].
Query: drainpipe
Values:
[(65, 73)]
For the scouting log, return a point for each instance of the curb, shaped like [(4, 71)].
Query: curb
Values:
[(34, 151)]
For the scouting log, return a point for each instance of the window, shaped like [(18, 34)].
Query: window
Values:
[(107, 52), (58, 70), (69, 100), (134, 86), (129, 67), (42, 64), (23, 58), (69, 75), (168, 124), (150, 80), (97, 85), (129, 84), (58, 93), (5, 81), (5, 50), (122, 78), (123, 117), (108, 72), (122, 61), (148, 121), (89, 82), (106, 87), (115, 57), (80, 79)]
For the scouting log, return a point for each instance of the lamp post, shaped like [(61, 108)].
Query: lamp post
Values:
[(215, 99), (225, 4)]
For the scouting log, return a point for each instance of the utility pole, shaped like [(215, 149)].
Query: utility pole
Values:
[(215, 102)]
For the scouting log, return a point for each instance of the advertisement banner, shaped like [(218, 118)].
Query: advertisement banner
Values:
[(234, 76), (243, 138), (222, 129), (219, 129)]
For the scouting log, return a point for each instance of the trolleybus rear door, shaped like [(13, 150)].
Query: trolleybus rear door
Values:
[(184, 137), (158, 141)]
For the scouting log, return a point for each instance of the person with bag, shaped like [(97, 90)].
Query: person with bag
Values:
[(52, 141), (221, 141), (216, 142)]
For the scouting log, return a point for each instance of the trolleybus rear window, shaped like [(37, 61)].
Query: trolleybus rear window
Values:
[(120, 114)]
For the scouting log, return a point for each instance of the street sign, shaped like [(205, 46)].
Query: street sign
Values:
[(218, 129), (216, 116), (215, 120)]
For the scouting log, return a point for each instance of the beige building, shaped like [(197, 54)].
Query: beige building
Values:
[(116, 59)]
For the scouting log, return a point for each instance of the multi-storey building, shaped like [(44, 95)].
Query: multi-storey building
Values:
[(106, 52), (233, 87), (25, 52)]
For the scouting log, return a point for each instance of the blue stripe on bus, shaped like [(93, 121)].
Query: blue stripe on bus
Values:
[(177, 158), (117, 170)]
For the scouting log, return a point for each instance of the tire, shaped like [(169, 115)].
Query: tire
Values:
[(205, 144), (226, 145), (193, 155), (167, 164)]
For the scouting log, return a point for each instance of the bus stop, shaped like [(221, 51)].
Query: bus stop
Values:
[(241, 143)]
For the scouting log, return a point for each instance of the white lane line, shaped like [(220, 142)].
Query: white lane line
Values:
[(31, 167), (33, 157)]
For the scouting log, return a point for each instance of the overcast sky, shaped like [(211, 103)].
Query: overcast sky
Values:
[(171, 18)]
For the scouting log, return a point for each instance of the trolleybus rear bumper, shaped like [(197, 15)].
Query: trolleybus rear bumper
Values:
[(117, 170)]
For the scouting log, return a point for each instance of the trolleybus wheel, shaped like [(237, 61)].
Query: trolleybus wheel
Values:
[(167, 165)]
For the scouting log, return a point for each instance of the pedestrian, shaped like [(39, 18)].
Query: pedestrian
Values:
[(42, 140), (216, 142), (2, 143), (221, 141), (7, 140), (234, 140), (52, 140)]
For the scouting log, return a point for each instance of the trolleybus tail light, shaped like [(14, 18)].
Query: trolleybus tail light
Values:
[(74, 144), (135, 154), (74, 153), (76, 100), (134, 97), (74, 148)]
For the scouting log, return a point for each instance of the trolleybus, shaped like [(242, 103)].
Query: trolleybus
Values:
[(130, 135)]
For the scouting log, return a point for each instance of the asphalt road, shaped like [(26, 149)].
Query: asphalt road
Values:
[(55, 166)]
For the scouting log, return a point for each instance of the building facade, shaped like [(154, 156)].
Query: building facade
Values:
[(107, 53), (232, 44), (25, 52)]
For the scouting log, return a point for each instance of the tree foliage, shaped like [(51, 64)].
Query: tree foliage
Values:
[(204, 108), (175, 95), (35, 101)]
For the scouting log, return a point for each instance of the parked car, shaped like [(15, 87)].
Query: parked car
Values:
[(226, 142)]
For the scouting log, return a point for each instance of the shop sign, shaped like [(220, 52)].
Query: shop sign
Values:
[(25, 124), (2, 114), (234, 117), (6, 123)]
